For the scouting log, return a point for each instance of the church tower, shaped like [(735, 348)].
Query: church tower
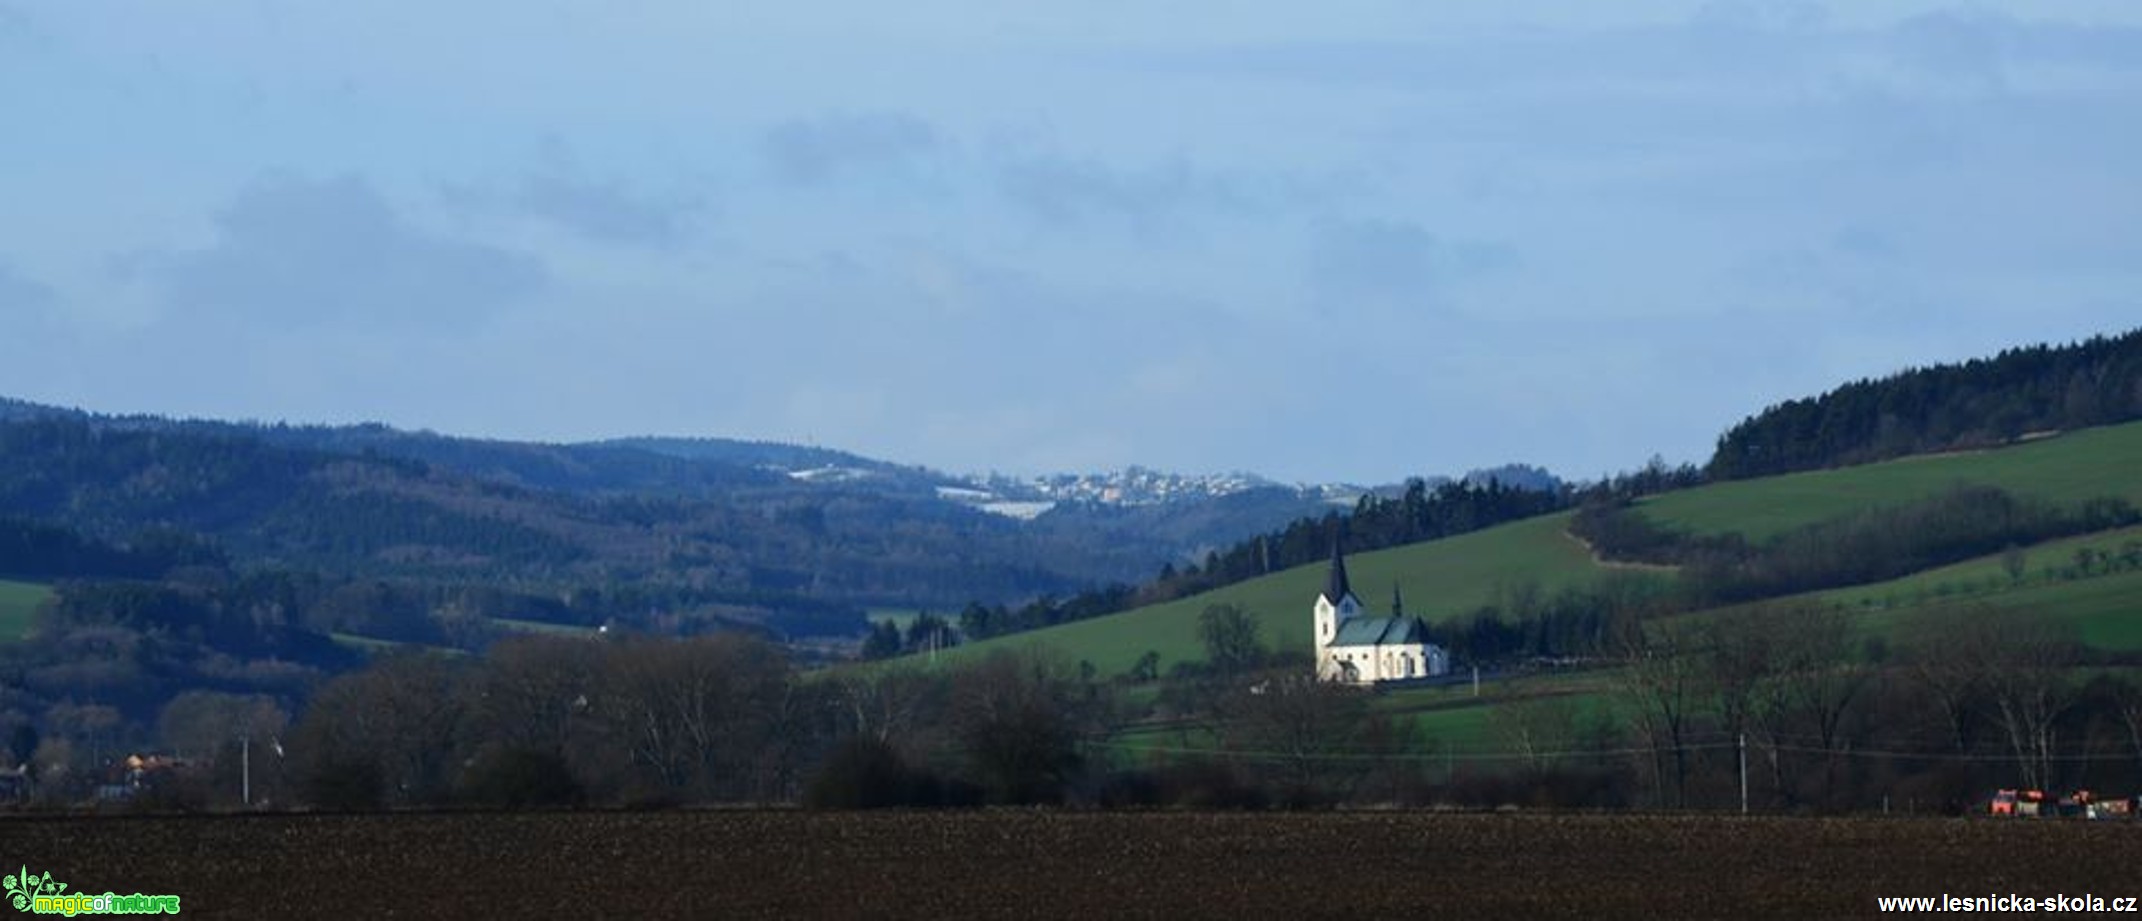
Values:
[(1336, 605)]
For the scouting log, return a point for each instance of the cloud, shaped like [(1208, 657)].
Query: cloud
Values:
[(296, 252), (20, 295), (16, 28), (1961, 49), (1396, 263), (603, 211), (1764, 15), (561, 193), (1062, 191), (817, 150)]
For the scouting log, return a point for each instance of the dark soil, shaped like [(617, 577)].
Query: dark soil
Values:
[(725, 864)]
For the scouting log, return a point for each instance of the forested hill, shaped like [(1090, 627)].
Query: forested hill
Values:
[(669, 467), (764, 538), (766, 526), (1978, 403)]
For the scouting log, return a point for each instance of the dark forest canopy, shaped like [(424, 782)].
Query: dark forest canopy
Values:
[(1978, 403), (83, 494)]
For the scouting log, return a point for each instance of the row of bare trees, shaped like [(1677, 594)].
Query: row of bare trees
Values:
[(721, 718), (1828, 718)]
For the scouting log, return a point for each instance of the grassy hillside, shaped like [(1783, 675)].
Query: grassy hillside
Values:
[(2103, 605), (18, 601), (2106, 611), (1448, 578), (1988, 575), (1441, 579), (2068, 468)]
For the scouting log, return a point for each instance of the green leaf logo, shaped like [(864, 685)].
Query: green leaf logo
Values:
[(23, 887)]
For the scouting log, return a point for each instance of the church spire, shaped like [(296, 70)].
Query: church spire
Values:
[(1335, 586)]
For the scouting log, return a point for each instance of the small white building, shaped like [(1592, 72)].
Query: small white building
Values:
[(1355, 648)]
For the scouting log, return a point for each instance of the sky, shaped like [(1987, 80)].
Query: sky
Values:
[(1344, 241)]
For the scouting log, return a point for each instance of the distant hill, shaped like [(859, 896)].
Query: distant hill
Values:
[(372, 501), (769, 517), (751, 523), (771, 455), (1972, 404)]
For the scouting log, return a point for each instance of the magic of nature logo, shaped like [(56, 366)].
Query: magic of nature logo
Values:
[(39, 893)]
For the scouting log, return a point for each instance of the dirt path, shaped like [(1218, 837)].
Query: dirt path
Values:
[(1604, 563)]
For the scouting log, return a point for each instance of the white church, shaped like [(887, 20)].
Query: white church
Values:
[(1354, 648)]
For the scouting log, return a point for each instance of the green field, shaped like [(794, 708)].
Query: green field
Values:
[(1448, 578), (542, 627), (374, 646), (2105, 609), (1986, 575), (1449, 724), (1441, 579), (18, 603), (900, 618), (2068, 468)]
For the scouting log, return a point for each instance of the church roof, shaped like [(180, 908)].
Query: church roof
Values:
[(1335, 586), (1380, 631)]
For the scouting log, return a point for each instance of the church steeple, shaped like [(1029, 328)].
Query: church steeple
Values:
[(1335, 586)]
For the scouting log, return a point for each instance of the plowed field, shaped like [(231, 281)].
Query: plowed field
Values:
[(726, 864)]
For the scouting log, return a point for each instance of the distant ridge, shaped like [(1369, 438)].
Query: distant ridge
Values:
[(1973, 404)]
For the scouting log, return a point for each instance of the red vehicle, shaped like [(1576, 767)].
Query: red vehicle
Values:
[(2025, 803)]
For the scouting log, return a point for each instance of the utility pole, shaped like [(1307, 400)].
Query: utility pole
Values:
[(1743, 773), (245, 770)]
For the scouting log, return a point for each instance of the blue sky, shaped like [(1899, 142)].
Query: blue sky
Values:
[(1368, 241)]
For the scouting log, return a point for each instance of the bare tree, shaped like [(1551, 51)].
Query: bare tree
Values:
[(196, 724), (1538, 730), (391, 725), (532, 692), (693, 715), (2028, 682), (1739, 658), (2127, 705), (93, 728), (889, 704), (1811, 684), (2011, 666), (1229, 635), (1954, 691), (1661, 681), (1018, 718), (1315, 739)]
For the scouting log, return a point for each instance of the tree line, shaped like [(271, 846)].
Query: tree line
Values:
[(1827, 721), (1978, 403), (1868, 545), (39, 551), (1966, 703)]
